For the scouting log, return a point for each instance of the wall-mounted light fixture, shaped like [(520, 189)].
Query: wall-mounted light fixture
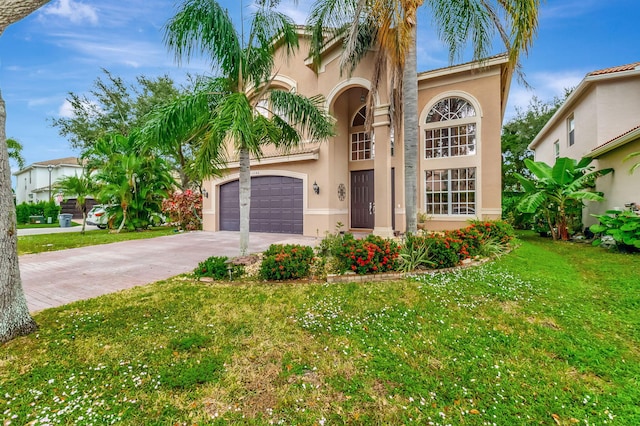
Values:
[(205, 193), (316, 188)]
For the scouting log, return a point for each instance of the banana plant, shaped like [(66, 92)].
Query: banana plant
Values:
[(556, 191)]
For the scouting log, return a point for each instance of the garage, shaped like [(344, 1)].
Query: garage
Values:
[(276, 205)]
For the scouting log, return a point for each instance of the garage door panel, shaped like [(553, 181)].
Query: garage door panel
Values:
[(276, 205)]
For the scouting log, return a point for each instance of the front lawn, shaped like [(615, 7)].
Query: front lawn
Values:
[(29, 244), (545, 335)]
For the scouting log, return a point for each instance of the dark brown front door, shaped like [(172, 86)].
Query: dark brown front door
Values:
[(362, 200)]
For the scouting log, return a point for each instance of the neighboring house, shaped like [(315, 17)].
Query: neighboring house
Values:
[(36, 182), (357, 177), (600, 119)]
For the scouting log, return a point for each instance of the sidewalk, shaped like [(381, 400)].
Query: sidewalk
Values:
[(56, 278)]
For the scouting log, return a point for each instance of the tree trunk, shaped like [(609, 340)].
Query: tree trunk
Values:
[(14, 314), (410, 108), (245, 200)]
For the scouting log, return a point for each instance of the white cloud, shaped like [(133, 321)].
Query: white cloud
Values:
[(75, 11), (65, 110)]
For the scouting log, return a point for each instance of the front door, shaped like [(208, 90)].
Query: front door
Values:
[(362, 200)]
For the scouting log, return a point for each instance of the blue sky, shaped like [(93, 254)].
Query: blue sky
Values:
[(62, 48)]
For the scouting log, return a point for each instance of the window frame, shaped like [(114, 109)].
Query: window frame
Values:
[(556, 149), (461, 132), (364, 143), (571, 130), (456, 194)]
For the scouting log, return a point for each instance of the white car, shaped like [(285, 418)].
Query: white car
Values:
[(98, 216)]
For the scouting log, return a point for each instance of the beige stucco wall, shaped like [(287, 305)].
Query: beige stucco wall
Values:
[(606, 109), (330, 166), (619, 187)]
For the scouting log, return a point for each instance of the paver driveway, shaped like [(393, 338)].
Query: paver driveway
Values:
[(57, 278)]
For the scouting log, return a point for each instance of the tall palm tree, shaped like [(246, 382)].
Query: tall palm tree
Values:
[(223, 115), (79, 186), (388, 28)]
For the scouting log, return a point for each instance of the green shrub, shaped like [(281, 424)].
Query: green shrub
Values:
[(370, 255), (495, 228), (444, 250), (624, 227), (285, 262), (414, 254), (51, 210), (217, 268), (22, 213)]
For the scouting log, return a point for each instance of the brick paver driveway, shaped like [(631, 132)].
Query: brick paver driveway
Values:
[(57, 278)]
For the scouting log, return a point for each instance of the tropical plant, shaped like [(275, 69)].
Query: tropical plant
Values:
[(414, 254), (184, 209), (131, 177), (388, 28), (629, 157), (369, 255), (79, 187), (624, 227), (559, 191), (222, 114)]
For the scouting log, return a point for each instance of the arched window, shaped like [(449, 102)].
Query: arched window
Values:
[(450, 129), (361, 143)]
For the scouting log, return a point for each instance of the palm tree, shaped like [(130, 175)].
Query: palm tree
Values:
[(555, 190), (79, 186), (223, 114), (131, 176), (388, 28)]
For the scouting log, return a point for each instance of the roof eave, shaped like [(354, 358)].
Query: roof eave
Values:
[(615, 143), (584, 85)]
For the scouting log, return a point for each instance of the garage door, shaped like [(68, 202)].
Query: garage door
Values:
[(276, 205)]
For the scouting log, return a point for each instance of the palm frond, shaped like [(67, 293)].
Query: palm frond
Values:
[(306, 114), (204, 27)]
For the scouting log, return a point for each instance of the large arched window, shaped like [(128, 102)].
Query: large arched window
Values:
[(361, 143), (450, 129)]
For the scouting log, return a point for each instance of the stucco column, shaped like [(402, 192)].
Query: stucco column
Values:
[(382, 170)]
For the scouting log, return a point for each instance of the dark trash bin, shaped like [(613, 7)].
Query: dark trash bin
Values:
[(65, 220)]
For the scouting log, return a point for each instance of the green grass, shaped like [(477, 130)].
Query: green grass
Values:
[(548, 334), (29, 244)]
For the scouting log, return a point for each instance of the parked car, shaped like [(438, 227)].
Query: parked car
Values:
[(98, 216)]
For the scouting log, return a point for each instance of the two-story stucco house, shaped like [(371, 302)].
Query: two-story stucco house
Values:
[(357, 177), (600, 119)]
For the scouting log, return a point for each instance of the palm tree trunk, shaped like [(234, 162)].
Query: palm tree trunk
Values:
[(14, 314), (245, 200), (410, 127), (124, 219)]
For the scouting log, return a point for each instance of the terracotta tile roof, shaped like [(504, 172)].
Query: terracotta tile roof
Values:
[(620, 68), (68, 160), (616, 138)]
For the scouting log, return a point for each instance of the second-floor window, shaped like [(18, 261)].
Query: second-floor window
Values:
[(571, 130), (556, 149), (361, 143), (450, 129)]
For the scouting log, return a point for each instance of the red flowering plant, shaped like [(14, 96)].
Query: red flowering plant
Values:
[(184, 209), (367, 256), (285, 262)]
